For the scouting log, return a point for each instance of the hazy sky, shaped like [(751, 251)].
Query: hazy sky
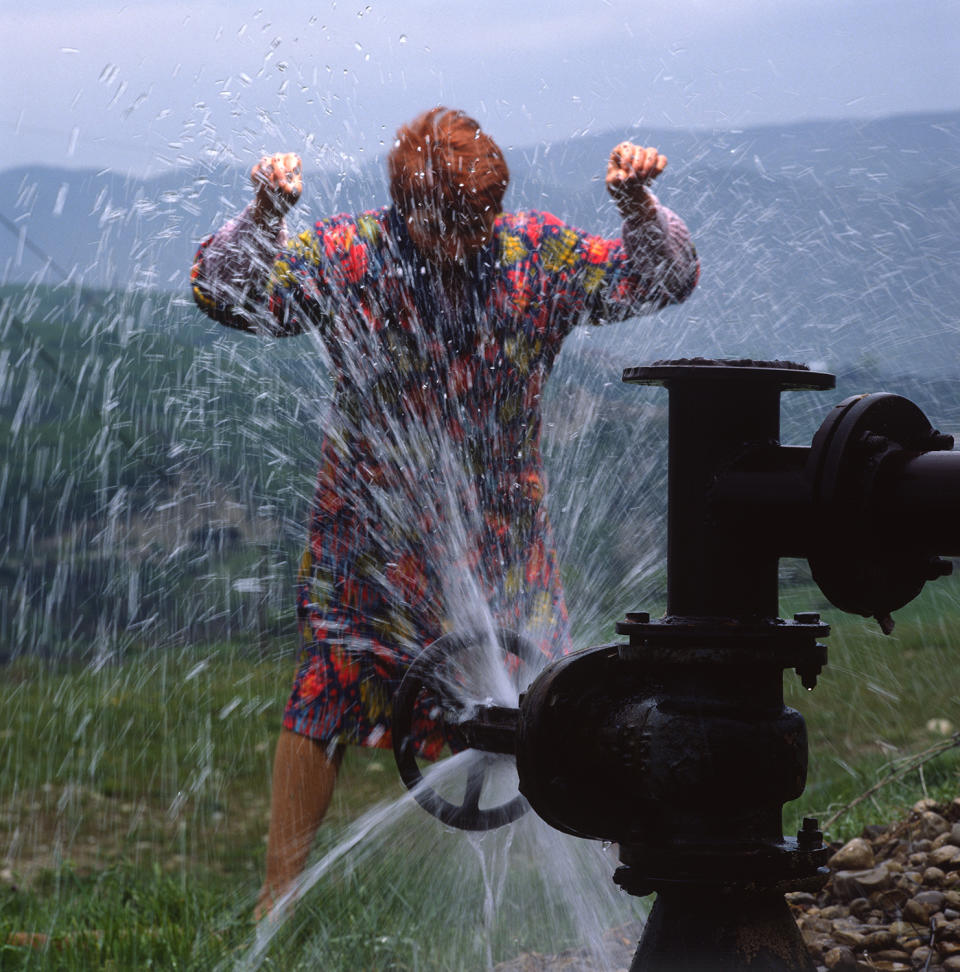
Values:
[(142, 85)]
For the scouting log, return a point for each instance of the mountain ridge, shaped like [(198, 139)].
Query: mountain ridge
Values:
[(818, 240)]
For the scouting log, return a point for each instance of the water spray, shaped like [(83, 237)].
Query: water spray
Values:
[(676, 744)]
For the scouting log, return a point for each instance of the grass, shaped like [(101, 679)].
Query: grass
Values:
[(880, 700), (134, 799)]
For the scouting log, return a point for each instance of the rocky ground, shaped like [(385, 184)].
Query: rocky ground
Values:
[(892, 903), (893, 898)]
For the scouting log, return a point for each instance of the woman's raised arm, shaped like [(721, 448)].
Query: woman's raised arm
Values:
[(232, 266)]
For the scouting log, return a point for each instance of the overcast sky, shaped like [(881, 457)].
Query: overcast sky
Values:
[(142, 85)]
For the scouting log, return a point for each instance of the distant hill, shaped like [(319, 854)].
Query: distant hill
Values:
[(833, 242)]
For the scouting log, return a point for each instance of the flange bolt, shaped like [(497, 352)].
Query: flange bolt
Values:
[(808, 675), (810, 837), (940, 442)]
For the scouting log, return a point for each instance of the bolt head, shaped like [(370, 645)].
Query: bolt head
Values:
[(809, 836)]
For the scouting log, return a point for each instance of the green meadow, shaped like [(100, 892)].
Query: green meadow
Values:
[(134, 798)]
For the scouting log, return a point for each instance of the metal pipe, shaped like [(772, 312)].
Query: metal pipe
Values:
[(916, 499)]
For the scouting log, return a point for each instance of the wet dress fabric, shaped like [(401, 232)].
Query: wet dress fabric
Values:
[(428, 513)]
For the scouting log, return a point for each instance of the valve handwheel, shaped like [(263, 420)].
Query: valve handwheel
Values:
[(482, 726)]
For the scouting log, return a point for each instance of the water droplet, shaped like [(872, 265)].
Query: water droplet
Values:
[(403, 38)]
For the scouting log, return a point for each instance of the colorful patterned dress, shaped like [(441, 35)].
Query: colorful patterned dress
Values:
[(428, 513)]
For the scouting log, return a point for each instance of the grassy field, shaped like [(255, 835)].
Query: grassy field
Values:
[(133, 799)]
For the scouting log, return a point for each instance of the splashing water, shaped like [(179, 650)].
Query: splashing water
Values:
[(465, 893), (157, 471)]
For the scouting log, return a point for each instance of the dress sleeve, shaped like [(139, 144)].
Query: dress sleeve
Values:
[(594, 280), (231, 275), (268, 284)]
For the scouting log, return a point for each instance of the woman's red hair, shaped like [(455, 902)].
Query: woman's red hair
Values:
[(442, 158)]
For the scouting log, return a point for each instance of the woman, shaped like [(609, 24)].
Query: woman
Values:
[(441, 317)]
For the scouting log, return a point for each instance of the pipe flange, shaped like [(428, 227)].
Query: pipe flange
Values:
[(782, 375), (784, 865), (770, 643), (851, 558)]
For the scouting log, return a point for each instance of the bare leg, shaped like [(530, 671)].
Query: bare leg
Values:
[(303, 781)]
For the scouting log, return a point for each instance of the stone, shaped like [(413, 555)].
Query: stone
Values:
[(923, 957), (847, 936), (834, 911), (858, 884), (860, 907), (815, 925), (933, 877), (931, 825), (915, 912), (840, 959), (897, 958), (930, 900), (879, 940), (951, 964), (922, 806), (819, 945), (954, 837), (855, 855), (802, 898), (892, 900), (903, 929), (947, 854)]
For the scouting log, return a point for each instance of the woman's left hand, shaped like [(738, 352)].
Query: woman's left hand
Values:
[(630, 170)]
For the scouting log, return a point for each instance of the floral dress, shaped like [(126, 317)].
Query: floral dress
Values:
[(428, 513)]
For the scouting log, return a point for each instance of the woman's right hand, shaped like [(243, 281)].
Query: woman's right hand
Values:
[(278, 182)]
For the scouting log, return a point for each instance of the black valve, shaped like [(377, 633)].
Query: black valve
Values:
[(676, 744)]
